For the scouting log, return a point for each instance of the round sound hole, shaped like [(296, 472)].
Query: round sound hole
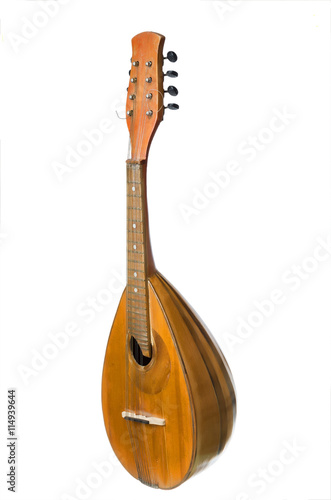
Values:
[(137, 353)]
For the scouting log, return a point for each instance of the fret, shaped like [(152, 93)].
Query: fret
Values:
[(132, 312), (133, 316), (134, 220), (135, 273), (134, 208), (137, 311), (137, 269), (140, 333), (137, 286), (141, 312), (133, 196), (135, 326), (133, 250), (136, 300), (140, 271), (141, 320), (135, 231), (133, 182), (137, 322), (139, 328), (137, 293), (142, 337), (136, 261), (129, 306), (136, 279), (143, 343)]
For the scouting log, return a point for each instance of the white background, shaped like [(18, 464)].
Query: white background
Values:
[(64, 242)]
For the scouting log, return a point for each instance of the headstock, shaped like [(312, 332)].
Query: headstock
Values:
[(145, 100)]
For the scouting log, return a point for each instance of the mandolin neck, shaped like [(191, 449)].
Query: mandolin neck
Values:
[(140, 263)]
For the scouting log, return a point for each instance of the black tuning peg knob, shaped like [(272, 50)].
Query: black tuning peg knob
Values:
[(172, 106), (172, 74), (171, 56), (172, 90)]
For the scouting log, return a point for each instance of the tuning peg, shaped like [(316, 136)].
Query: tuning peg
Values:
[(172, 90), (172, 74), (172, 106), (171, 56)]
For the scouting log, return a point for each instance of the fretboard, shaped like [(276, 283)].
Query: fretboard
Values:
[(138, 323)]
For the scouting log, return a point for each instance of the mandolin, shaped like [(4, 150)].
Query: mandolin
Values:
[(168, 397)]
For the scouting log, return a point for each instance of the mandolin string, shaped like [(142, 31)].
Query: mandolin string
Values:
[(129, 423), (143, 247), (133, 439), (127, 322), (136, 175), (133, 388), (146, 431), (139, 171), (134, 171), (165, 439), (144, 110), (149, 460), (147, 457)]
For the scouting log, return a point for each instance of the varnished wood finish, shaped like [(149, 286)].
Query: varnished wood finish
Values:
[(187, 382), (158, 456), (146, 47), (212, 388)]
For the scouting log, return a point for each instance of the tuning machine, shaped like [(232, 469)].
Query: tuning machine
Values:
[(171, 90), (171, 74), (171, 56), (172, 106)]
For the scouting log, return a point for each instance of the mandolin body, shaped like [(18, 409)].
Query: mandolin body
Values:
[(187, 386)]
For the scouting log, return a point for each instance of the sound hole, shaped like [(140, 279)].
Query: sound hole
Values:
[(137, 353)]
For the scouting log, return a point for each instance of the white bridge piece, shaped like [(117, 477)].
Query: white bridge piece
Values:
[(128, 415)]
